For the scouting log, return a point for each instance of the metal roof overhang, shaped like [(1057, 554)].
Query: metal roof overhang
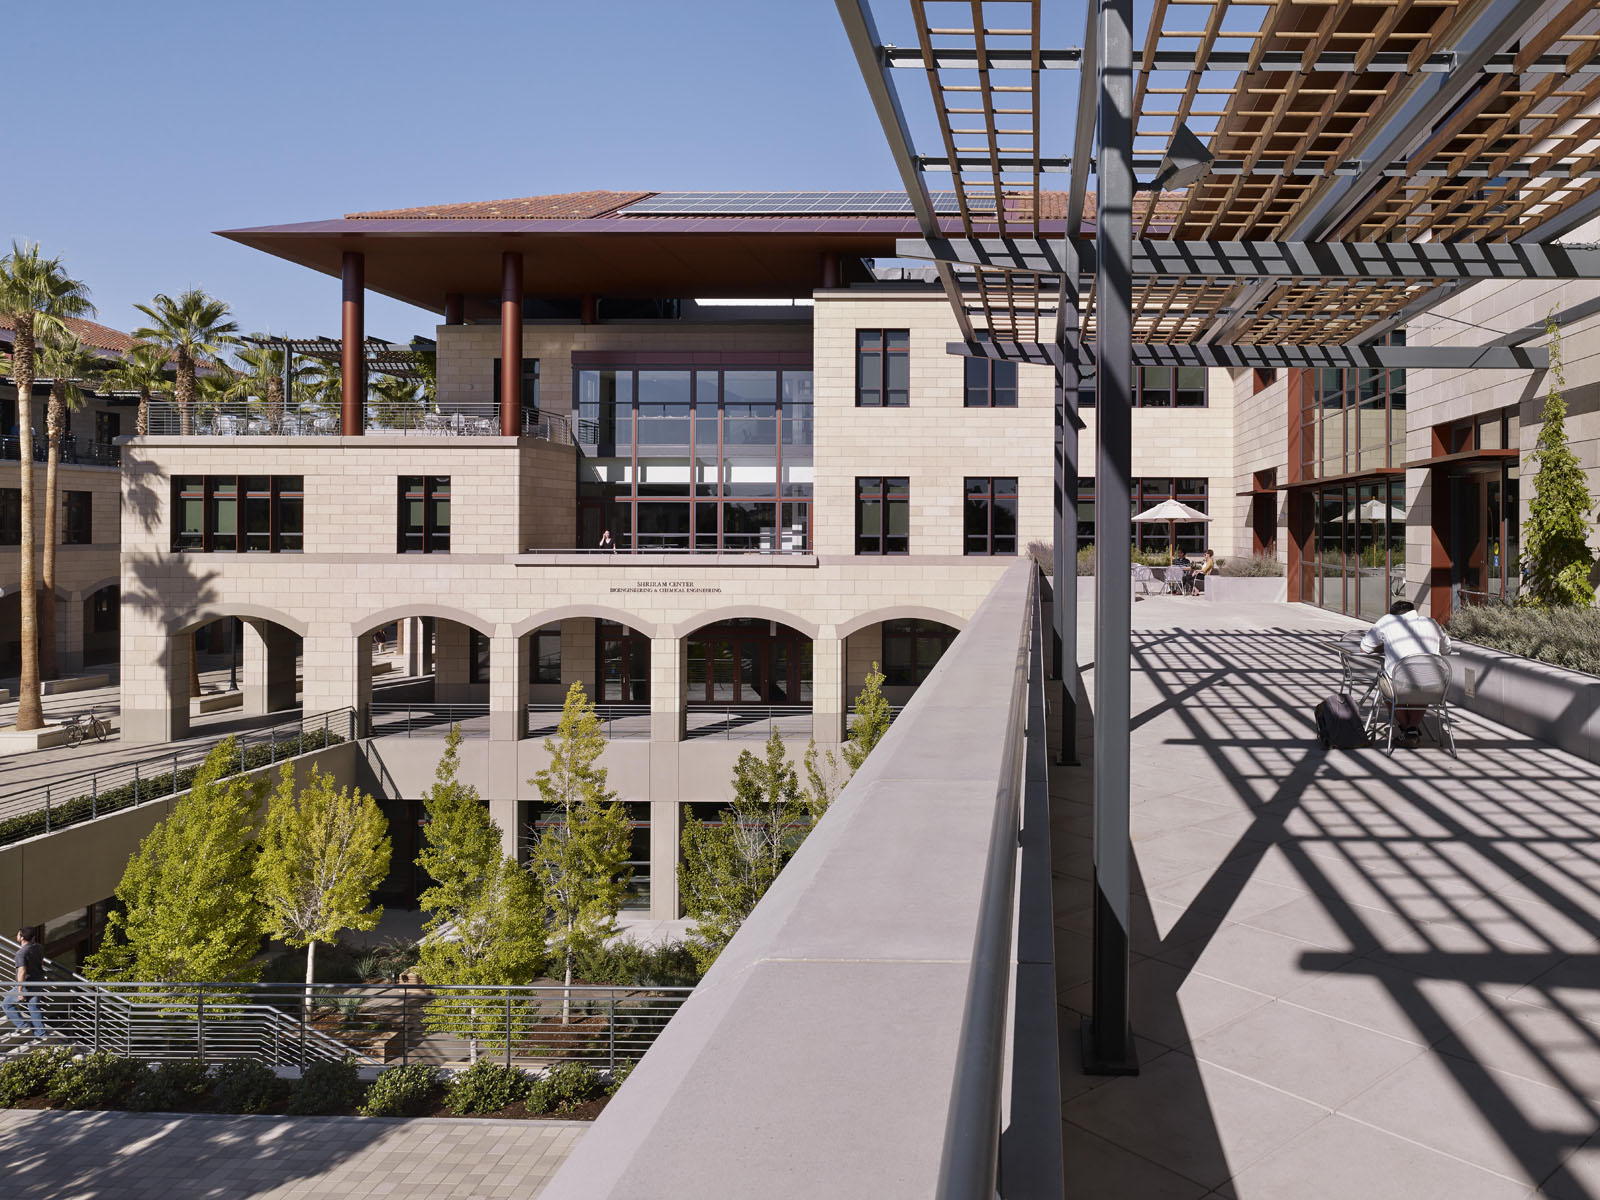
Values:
[(421, 261), (1463, 456)]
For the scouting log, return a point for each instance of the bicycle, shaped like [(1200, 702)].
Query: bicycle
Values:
[(80, 726)]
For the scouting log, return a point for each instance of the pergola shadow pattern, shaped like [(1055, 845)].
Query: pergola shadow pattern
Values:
[(1353, 974)]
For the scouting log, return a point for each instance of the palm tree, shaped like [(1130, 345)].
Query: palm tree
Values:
[(395, 403), (144, 370), (264, 376), (37, 295), (68, 363), (324, 390), (189, 328)]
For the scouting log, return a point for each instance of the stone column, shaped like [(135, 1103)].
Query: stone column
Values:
[(155, 685), (352, 349), (666, 835), (577, 655), (69, 633), (451, 665), (268, 682), (669, 666), (508, 689), (337, 672), (411, 636), (504, 813), (827, 687)]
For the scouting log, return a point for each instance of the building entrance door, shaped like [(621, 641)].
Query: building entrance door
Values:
[(749, 661)]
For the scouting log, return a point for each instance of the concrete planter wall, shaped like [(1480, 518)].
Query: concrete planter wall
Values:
[(1553, 704), (1263, 589)]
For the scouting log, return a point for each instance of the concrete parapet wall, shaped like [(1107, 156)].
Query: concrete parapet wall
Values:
[(1550, 703)]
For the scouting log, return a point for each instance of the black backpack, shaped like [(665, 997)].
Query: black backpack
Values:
[(1339, 724)]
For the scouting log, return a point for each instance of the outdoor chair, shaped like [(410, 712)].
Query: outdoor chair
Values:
[(1146, 579), (1421, 681)]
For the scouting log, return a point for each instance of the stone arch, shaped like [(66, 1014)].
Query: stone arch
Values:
[(422, 608), (895, 612), (244, 611), (599, 612), (758, 611), (88, 590)]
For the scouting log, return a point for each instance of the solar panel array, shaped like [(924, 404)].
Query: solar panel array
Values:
[(786, 204)]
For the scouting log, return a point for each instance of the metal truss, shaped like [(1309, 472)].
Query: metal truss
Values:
[(1498, 355)]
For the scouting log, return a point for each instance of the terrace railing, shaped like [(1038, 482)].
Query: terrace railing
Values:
[(452, 419), (531, 1026), (68, 800), (73, 452)]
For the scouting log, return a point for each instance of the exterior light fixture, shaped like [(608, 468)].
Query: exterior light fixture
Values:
[(1187, 161)]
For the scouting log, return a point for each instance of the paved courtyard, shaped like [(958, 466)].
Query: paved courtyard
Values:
[(130, 1156), (1355, 976)]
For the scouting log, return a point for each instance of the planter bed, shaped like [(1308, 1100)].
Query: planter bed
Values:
[(1553, 704)]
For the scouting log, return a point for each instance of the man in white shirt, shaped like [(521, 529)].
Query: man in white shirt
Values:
[(1401, 634)]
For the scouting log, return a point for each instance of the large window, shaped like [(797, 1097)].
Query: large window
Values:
[(883, 368), (1151, 537), (1160, 387), (262, 514), (883, 514), (991, 516), (990, 384), (77, 527), (424, 514), (1352, 421), (702, 461), (544, 653), (911, 648), (530, 386)]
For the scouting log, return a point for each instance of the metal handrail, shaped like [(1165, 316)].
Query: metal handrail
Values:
[(83, 797), (453, 418), (742, 720), (610, 715), (405, 718)]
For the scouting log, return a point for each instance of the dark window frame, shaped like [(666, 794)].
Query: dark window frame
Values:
[(883, 491), (908, 669), (538, 648), (285, 496), (989, 383), (882, 353), (992, 496), (434, 535), (77, 518)]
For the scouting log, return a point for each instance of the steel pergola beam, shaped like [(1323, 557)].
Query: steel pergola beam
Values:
[(1494, 355), (870, 57), (1333, 62), (1377, 262)]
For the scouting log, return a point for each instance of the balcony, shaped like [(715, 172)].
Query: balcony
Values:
[(455, 419), (73, 452)]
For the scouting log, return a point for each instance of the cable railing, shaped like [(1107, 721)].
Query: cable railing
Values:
[(616, 720), (531, 1026), (64, 801), (450, 419), (425, 718), (747, 720)]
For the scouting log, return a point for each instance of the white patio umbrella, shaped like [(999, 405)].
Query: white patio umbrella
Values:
[(1374, 510), (1172, 511)]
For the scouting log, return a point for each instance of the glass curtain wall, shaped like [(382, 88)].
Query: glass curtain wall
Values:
[(705, 461), (1360, 547)]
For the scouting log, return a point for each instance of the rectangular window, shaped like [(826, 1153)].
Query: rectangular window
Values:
[(107, 427), (883, 514), (252, 513), (991, 516), (477, 657), (883, 368), (911, 649), (10, 516), (78, 526), (990, 384), (530, 386), (544, 649), (424, 514)]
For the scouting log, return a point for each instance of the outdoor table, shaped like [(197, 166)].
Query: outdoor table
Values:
[(1174, 579), (1358, 668)]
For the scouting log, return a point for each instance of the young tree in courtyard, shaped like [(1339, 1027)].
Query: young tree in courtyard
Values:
[(190, 912), (825, 774), (323, 852), (483, 930), (190, 327), (581, 855), (69, 364), (728, 866), (1555, 538), (37, 296)]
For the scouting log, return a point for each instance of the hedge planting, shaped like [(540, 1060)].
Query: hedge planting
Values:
[(1563, 637), (155, 787)]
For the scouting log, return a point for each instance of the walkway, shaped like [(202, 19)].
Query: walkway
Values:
[(132, 1156), (1354, 976)]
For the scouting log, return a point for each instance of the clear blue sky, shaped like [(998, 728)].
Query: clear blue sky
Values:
[(144, 127)]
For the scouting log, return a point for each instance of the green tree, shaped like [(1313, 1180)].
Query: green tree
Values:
[(190, 327), (70, 365), (825, 778), (580, 857), (323, 852), (728, 866), (143, 370), (189, 911), (1555, 539), (261, 378), (394, 402), (484, 929), (37, 296), (873, 717)]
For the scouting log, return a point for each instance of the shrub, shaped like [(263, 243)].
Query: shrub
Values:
[(28, 1075), (619, 1076), (98, 1080), (1564, 637), (1085, 560), (388, 960), (1257, 566), (1044, 554), (171, 1087), (486, 1087), (246, 1086), (564, 1088), (153, 787), (324, 1089), (401, 1092), (625, 963)]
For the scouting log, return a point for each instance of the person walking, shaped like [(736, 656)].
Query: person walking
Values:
[(29, 962)]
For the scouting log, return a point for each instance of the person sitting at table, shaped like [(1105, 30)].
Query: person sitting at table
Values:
[(1182, 560), (1208, 567), (1401, 634)]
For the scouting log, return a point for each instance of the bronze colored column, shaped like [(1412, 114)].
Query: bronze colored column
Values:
[(454, 309), (511, 343), (590, 312), (352, 347), (830, 270)]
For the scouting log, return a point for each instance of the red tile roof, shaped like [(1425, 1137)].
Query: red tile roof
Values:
[(566, 206), (91, 333)]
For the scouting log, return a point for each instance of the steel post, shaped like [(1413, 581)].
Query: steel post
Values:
[(353, 344), (511, 343), (1107, 1038)]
